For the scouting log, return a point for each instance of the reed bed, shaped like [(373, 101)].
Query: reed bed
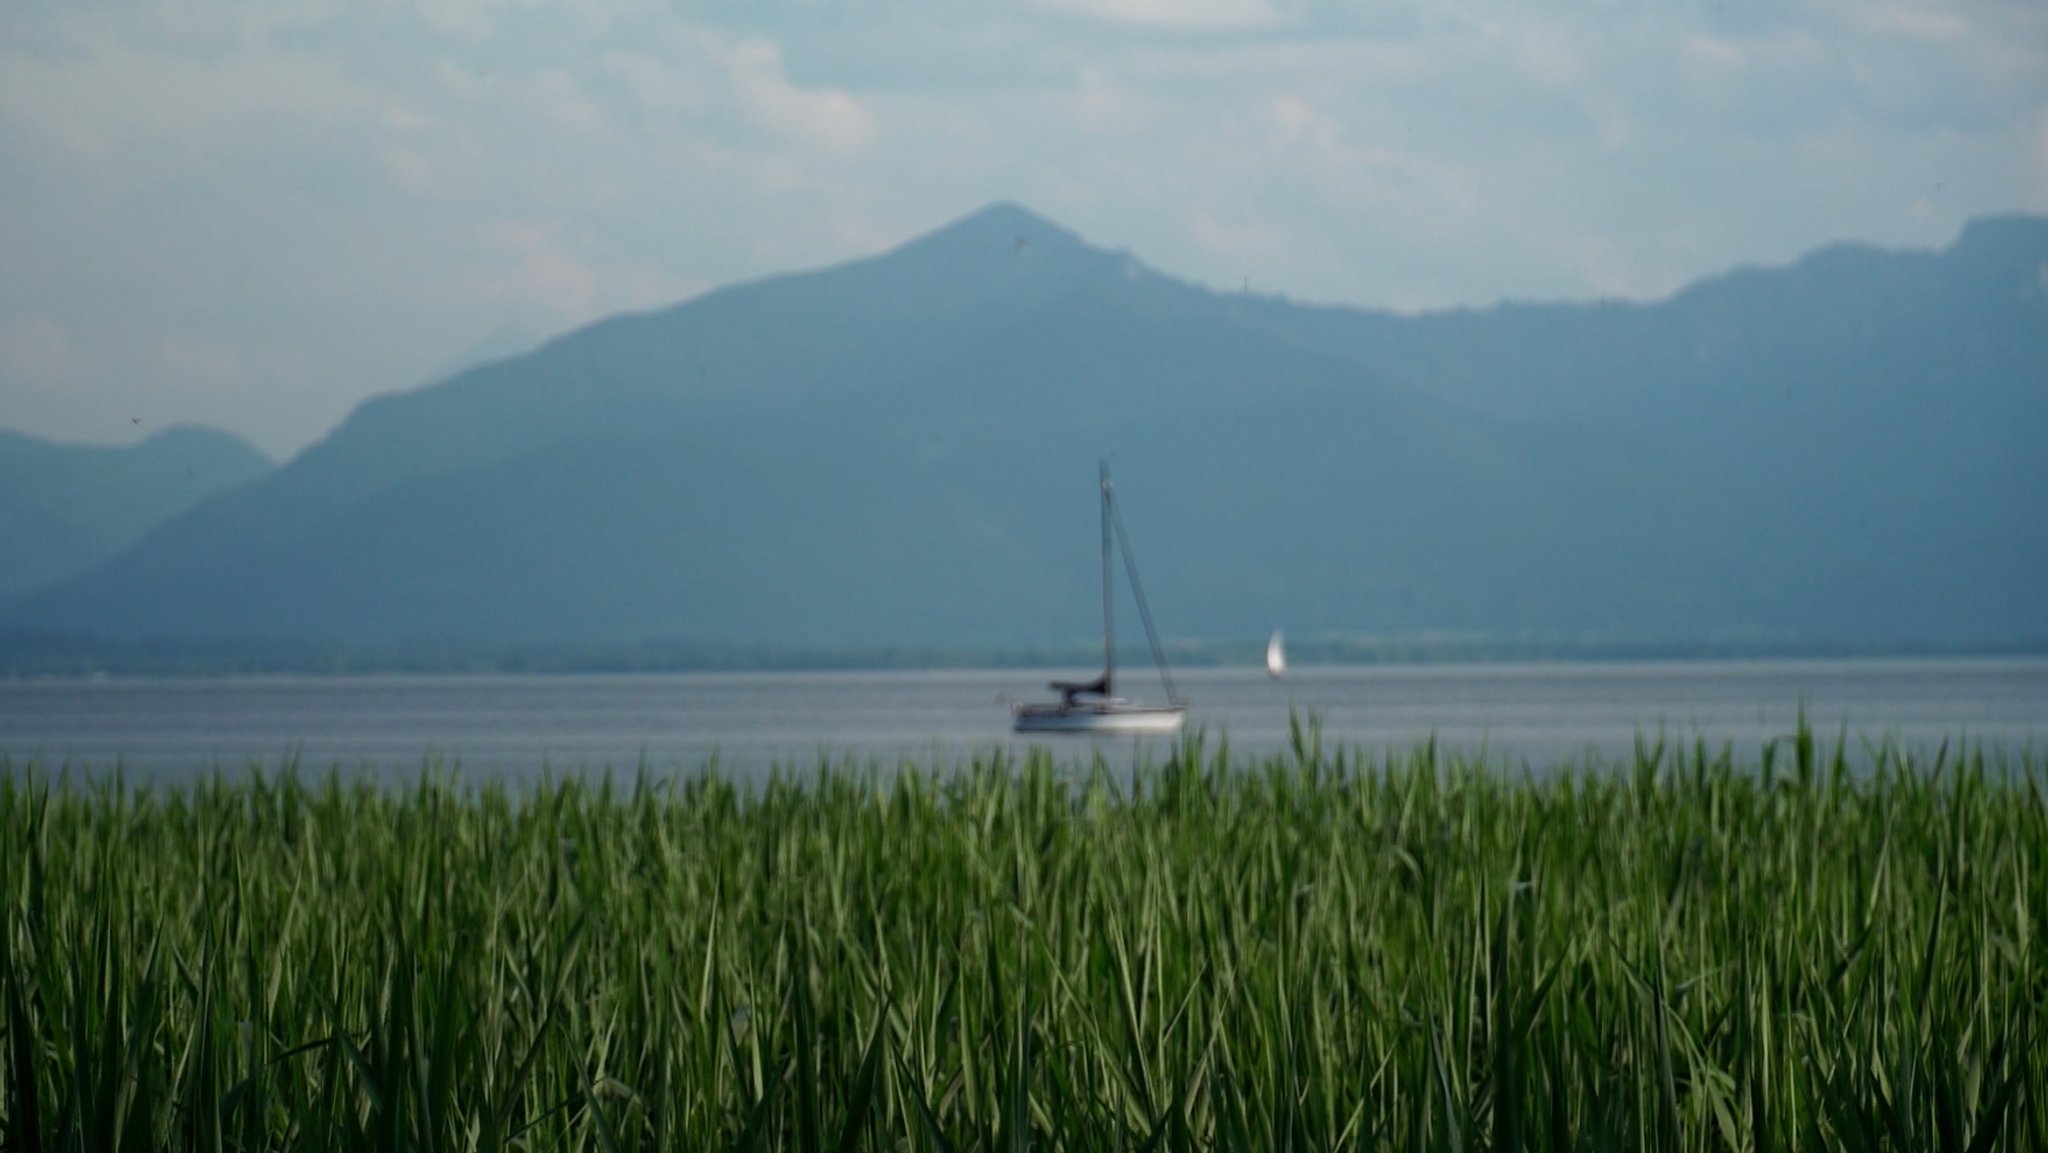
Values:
[(1689, 951)]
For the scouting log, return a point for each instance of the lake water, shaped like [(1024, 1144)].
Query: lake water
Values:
[(521, 726)]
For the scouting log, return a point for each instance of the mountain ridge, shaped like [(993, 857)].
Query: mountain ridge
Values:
[(897, 451), (66, 507)]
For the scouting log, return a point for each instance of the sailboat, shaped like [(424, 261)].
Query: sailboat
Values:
[(1276, 657), (1093, 706)]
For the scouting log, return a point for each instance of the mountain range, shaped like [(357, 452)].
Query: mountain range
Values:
[(67, 507), (899, 452)]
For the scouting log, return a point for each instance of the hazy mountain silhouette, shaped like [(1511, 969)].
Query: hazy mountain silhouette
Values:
[(67, 507), (900, 451)]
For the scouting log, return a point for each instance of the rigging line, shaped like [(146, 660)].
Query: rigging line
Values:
[(1123, 538), (1108, 600)]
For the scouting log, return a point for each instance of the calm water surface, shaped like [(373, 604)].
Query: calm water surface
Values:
[(520, 727)]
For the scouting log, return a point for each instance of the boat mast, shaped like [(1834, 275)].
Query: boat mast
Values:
[(1108, 626), (1123, 538)]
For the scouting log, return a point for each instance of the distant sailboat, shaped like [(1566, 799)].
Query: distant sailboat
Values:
[(1093, 706), (1276, 657)]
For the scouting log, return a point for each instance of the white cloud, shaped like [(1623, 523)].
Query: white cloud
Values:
[(465, 84), (1392, 72), (1197, 15), (1292, 120), (825, 118), (1320, 144), (468, 19), (1105, 106), (203, 25), (544, 272), (1716, 54), (288, 176), (111, 97), (529, 270), (1915, 21), (1549, 55), (562, 100), (654, 83), (411, 169)]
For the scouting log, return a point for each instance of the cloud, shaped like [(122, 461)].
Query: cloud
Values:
[(465, 84), (655, 84), (562, 100), (544, 272), (411, 169), (110, 97), (1291, 120), (467, 19), (1301, 133), (198, 27), (1102, 105), (825, 118), (286, 176), (35, 352), (1549, 55), (533, 275), (1179, 15), (1915, 21)]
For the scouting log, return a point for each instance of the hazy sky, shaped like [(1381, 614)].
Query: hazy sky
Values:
[(254, 213)]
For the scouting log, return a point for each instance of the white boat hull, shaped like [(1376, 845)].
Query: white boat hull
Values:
[(1099, 718)]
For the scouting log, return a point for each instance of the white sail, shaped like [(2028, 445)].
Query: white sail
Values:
[(1276, 657)]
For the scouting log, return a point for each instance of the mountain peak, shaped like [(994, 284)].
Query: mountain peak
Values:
[(67, 507), (1003, 226), (899, 450), (1002, 214), (197, 440)]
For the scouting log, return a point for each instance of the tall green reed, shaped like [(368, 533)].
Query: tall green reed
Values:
[(1323, 950)]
